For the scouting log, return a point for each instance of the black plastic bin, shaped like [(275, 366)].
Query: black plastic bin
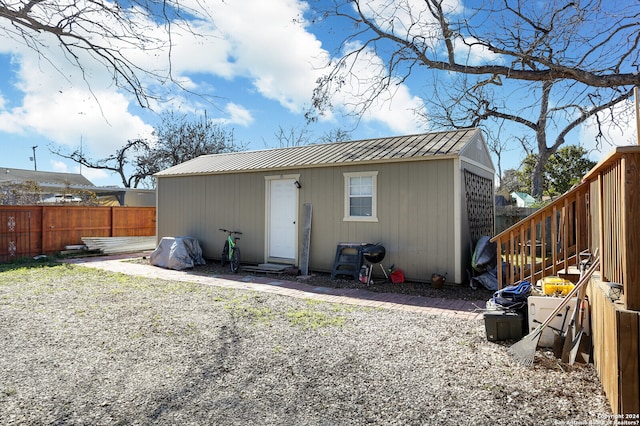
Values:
[(504, 325)]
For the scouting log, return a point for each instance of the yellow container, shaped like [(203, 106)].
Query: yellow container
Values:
[(556, 285)]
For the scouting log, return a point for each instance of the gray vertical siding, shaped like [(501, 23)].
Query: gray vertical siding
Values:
[(198, 206)]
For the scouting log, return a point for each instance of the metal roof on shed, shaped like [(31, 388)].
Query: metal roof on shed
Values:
[(397, 148)]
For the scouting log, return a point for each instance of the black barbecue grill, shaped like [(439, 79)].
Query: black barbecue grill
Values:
[(374, 253)]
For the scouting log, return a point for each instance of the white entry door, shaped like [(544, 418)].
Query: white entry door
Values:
[(282, 221)]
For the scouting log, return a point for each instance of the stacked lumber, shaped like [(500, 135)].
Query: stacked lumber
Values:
[(113, 245)]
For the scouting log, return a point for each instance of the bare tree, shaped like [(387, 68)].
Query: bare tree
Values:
[(298, 136), (180, 138), (571, 61), (116, 163), (111, 34), (497, 146), (335, 135), (293, 136), (510, 181)]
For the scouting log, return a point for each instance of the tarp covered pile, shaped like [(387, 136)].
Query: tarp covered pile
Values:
[(484, 265), (177, 253)]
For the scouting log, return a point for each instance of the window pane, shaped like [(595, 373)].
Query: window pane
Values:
[(360, 206), (359, 186)]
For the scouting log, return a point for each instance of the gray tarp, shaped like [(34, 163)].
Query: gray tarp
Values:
[(177, 253), (488, 280), (484, 256)]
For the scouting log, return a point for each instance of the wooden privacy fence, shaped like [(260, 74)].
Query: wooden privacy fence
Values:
[(32, 230), (507, 216)]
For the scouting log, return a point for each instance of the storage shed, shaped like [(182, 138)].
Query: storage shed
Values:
[(427, 198)]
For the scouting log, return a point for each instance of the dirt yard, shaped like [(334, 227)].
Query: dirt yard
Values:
[(83, 346)]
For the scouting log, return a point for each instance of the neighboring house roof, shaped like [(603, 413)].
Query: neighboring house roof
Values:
[(58, 183), (526, 199), (15, 176), (401, 148), (501, 200)]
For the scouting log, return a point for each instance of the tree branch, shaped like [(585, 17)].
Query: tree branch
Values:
[(106, 31)]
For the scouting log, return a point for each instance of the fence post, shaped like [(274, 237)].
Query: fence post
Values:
[(113, 222), (43, 228), (631, 225)]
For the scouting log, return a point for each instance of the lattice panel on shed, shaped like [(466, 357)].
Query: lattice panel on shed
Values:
[(480, 213)]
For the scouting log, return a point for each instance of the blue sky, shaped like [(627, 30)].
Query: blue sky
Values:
[(256, 67)]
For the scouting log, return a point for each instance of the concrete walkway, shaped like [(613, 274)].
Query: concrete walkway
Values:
[(464, 309)]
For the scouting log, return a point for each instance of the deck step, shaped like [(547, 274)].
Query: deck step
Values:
[(572, 273), (271, 268)]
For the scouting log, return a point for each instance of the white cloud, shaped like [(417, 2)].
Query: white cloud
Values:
[(236, 114), (62, 104), (264, 45), (624, 133), (394, 106), (468, 52), (270, 46), (59, 166), (398, 112), (64, 112), (94, 175)]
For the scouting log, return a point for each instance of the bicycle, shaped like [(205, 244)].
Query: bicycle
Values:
[(230, 251)]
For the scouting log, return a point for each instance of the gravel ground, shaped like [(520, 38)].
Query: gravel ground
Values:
[(81, 346)]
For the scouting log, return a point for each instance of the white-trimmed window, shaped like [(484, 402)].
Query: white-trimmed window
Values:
[(360, 196)]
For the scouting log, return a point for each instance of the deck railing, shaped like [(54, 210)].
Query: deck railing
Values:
[(547, 241), (603, 213), (615, 216)]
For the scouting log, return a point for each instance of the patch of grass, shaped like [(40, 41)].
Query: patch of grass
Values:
[(27, 263), (333, 307), (137, 335), (9, 392), (46, 277), (246, 305), (174, 287), (261, 315), (309, 319)]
